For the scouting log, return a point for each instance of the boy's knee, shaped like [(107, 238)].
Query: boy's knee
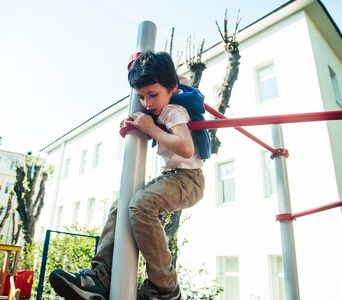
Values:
[(140, 203), (136, 203)]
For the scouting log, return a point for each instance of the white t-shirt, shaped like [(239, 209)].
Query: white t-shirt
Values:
[(170, 116)]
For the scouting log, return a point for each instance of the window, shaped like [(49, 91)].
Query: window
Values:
[(90, 211), (269, 175), (3, 212), (97, 153), (83, 161), (8, 187), (12, 161), (59, 216), (41, 233), (336, 88), (226, 181), (267, 82), (277, 277), (76, 212), (229, 277), (66, 168)]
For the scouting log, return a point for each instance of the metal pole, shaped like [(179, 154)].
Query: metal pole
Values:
[(125, 255), (286, 226), (43, 265)]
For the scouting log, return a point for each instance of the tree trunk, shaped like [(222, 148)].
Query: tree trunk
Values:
[(226, 91), (29, 203), (196, 70), (8, 210)]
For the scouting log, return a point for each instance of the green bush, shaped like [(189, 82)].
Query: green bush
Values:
[(68, 252), (195, 285), (73, 253)]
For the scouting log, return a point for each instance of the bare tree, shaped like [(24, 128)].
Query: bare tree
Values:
[(193, 60), (232, 49), (30, 174), (7, 209)]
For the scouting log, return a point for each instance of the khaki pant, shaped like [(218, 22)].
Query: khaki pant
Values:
[(171, 191)]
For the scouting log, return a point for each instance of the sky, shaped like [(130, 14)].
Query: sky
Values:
[(63, 61)]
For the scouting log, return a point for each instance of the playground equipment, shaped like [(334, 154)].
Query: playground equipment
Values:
[(125, 255), (14, 293), (122, 285)]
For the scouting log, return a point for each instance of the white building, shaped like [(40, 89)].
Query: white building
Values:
[(290, 63), (7, 180)]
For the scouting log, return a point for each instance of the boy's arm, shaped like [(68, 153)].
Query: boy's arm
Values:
[(178, 141)]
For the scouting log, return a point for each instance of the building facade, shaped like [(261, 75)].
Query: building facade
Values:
[(7, 179), (291, 62)]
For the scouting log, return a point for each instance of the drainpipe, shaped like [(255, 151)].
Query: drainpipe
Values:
[(55, 193)]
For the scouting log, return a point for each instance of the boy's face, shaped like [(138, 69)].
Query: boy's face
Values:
[(155, 97)]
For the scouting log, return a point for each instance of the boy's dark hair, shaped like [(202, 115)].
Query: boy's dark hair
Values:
[(151, 68)]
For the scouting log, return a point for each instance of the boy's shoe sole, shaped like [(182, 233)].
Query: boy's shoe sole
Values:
[(70, 291)]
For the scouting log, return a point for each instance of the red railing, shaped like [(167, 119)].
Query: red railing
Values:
[(282, 217)]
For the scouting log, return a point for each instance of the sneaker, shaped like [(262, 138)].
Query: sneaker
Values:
[(148, 291), (84, 285)]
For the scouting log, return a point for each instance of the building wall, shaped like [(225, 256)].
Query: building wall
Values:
[(100, 182), (247, 228), (7, 180), (326, 59)]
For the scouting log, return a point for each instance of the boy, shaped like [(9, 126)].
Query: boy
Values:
[(181, 184)]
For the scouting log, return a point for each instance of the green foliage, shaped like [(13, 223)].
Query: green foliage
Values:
[(195, 285), (30, 192), (68, 252), (73, 253), (27, 257)]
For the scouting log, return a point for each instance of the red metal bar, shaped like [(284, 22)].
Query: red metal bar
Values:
[(282, 217), (217, 114), (267, 120), (132, 59), (317, 209), (253, 121)]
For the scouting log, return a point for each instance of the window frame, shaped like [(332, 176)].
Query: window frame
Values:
[(83, 161), (59, 217), (90, 213), (335, 86), (227, 274), (274, 276), (66, 168), (8, 186), (97, 154), (76, 211), (220, 198), (257, 71)]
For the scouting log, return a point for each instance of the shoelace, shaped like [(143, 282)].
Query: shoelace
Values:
[(87, 271)]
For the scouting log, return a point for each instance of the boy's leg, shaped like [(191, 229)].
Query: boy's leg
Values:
[(90, 283), (102, 261), (166, 193)]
